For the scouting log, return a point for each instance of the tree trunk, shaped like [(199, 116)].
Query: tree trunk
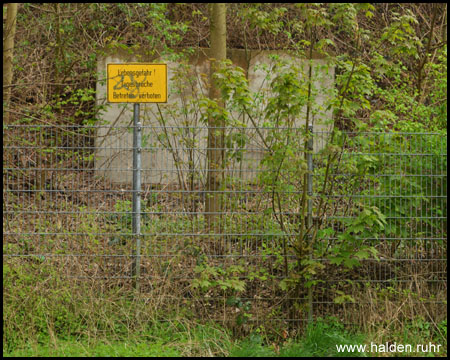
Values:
[(8, 49), (215, 126)]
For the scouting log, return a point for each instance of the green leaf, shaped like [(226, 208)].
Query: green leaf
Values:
[(231, 301), (343, 299), (336, 260), (283, 284), (362, 254), (350, 263)]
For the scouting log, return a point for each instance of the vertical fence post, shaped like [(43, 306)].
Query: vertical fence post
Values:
[(309, 156), (136, 223)]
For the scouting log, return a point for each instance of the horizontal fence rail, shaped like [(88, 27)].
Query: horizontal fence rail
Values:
[(375, 216)]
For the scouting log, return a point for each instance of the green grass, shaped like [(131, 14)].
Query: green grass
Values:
[(180, 339), (119, 349), (175, 339), (161, 339), (319, 341)]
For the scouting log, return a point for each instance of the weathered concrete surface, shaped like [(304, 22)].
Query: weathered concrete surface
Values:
[(176, 125)]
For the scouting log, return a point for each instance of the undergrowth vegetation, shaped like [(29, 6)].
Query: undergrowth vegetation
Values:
[(368, 244)]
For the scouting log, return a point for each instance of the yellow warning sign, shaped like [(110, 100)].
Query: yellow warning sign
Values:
[(137, 83)]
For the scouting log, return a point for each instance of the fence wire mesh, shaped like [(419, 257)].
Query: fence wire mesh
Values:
[(378, 207)]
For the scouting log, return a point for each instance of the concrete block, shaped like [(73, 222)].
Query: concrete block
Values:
[(175, 135)]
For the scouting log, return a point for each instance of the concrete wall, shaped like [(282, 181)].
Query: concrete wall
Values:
[(163, 125)]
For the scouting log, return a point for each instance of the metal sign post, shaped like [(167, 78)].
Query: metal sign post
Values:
[(137, 83), (136, 222), (309, 156)]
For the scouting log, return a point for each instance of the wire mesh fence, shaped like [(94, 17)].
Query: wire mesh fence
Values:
[(377, 215)]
